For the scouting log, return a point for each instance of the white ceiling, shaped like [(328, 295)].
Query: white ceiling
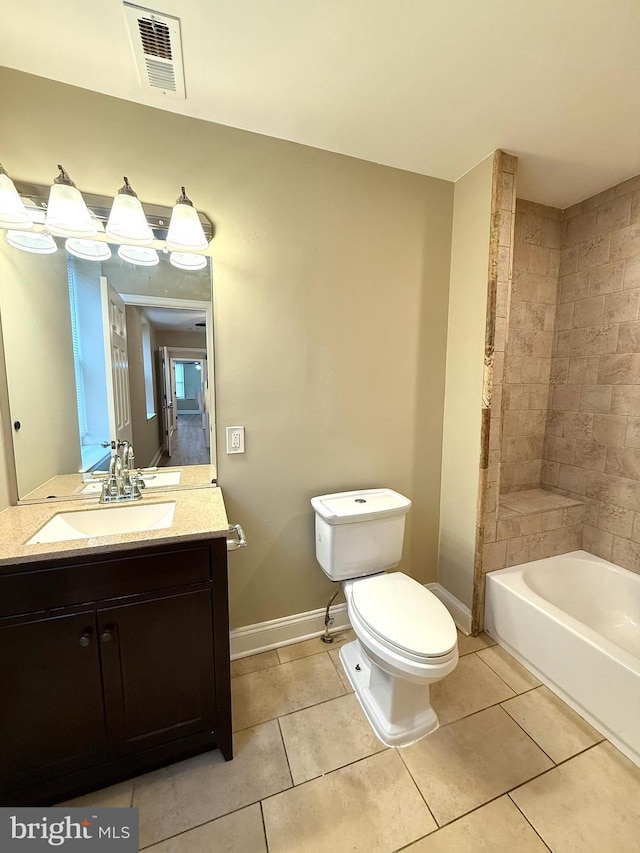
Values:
[(176, 319), (432, 86)]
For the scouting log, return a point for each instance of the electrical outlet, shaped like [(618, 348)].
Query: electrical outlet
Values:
[(235, 439)]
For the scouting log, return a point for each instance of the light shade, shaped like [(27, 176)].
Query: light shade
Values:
[(139, 255), (13, 213), (88, 250), (127, 221), (67, 214), (32, 241), (185, 229), (185, 261)]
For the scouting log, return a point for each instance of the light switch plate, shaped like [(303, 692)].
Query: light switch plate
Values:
[(235, 439)]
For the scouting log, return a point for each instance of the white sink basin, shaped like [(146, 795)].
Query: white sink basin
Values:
[(153, 480), (108, 521)]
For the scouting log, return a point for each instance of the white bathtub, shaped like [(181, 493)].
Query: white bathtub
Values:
[(574, 621)]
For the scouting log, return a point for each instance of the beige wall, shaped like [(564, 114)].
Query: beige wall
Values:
[(36, 324), (464, 374), (331, 280), (188, 340)]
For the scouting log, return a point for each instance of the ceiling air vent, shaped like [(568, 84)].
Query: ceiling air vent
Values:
[(157, 49)]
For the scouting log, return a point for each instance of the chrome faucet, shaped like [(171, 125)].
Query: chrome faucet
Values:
[(122, 484)]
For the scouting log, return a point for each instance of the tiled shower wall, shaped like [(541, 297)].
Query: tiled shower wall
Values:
[(592, 443), (536, 259)]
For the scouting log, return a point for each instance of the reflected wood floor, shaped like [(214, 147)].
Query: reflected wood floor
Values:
[(188, 444)]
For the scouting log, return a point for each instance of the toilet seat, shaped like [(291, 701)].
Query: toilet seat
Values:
[(404, 617)]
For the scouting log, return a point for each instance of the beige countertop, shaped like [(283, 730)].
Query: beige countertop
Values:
[(199, 514)]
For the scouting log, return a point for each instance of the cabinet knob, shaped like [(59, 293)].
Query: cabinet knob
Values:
[(85, 639), (107, 635)]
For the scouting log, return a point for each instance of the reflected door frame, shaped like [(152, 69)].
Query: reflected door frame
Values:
[(199, 357), (198, 305)]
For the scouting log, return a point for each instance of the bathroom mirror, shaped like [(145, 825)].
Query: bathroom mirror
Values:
[(96, 351)]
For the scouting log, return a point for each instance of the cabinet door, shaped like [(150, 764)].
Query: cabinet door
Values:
[(158, 670), (51, 711)]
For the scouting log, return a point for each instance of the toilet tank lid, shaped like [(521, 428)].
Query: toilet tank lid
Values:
[(360, 505)]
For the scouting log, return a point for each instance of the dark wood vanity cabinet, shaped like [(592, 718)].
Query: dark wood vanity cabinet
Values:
[(110, 667)]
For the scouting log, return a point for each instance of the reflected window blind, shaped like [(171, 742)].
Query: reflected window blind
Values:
[(77, 348)]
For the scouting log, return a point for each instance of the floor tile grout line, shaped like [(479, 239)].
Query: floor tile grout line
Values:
[(296, 711), (528, 734), (424, 799), (264, 827), (529, 822), (280, 662), (204, 823), (286, 754), (518, 693), (351, 693)]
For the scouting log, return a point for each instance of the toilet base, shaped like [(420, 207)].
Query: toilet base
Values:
[(398, 710)]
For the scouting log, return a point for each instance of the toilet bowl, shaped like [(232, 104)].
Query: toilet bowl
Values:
[(406, 641), (406, 638)]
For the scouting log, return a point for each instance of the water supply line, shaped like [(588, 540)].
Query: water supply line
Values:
[(328, 620)]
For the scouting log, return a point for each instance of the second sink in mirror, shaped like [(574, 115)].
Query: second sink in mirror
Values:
[(152, 480)]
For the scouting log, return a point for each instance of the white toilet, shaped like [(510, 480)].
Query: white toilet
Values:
[(406, 638)]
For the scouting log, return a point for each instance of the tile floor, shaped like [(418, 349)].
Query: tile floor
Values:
[(510, 770)]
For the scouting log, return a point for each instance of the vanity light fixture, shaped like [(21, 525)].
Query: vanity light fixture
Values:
[(139, 255), (127, 222), (88, 250), (185, 229), (13, 213), (67, 214), (186, 261), (37, 242)]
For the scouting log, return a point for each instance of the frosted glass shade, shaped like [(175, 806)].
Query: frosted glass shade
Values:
[(67, 214), (127, 222), (185, 261), (185, 230), (13, 213), (88, 250), (32, 241), (139, 255)]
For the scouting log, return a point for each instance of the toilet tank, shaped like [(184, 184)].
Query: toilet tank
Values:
[(359, 533)]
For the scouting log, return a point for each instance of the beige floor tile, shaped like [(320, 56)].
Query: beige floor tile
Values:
[(114, 797), (240, 832), (472, 761), (371, 806), (270, 693), (553, 725), (254, 663), (334, 654), (326, 737), (315, 646), (192, 792), (589, 804), (516, 676), (471, 687), (497, 827), (466, 645)]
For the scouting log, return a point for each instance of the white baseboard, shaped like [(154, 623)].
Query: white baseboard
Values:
[(156, 458), (253, 639), (460, 612)]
